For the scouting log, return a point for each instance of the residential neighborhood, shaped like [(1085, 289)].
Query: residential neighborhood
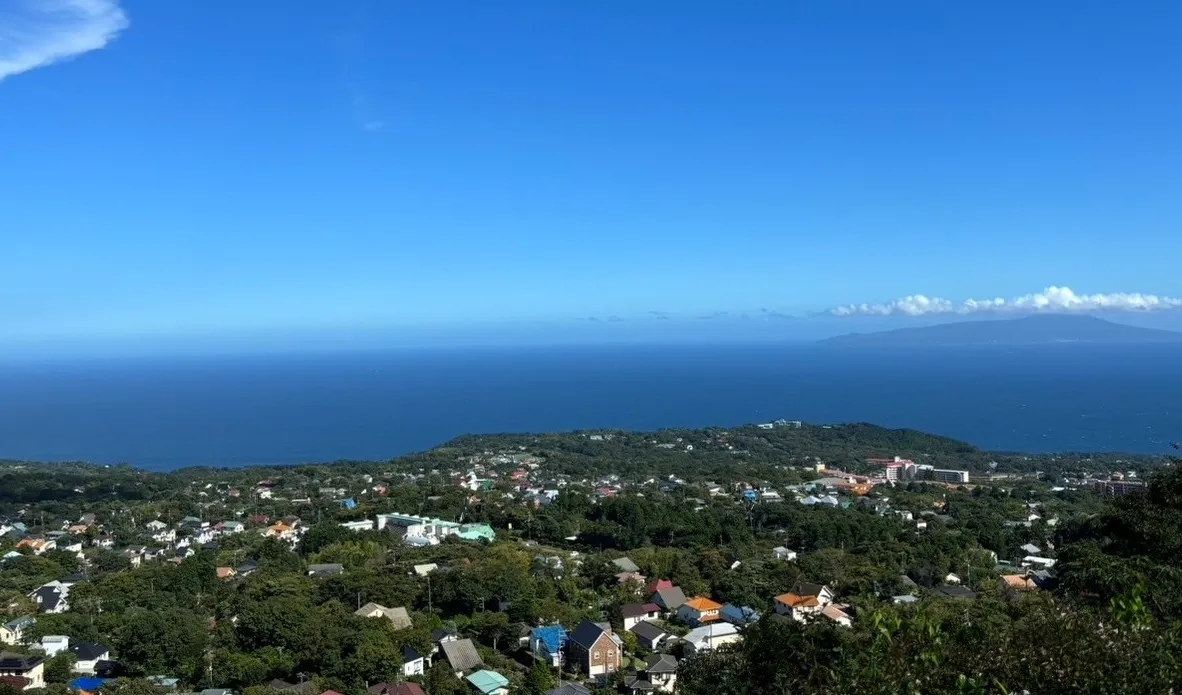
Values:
[(497, 569)]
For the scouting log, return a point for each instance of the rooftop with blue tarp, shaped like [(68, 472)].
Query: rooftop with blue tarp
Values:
[(88, 684), (552, 637)]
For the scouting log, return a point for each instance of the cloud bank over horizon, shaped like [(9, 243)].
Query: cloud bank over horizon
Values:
[(1052, 299), (37, 33)]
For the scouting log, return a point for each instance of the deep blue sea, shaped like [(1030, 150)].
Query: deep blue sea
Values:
[(169, 413)]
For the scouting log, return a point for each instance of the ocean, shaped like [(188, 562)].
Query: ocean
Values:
[(232, 411)]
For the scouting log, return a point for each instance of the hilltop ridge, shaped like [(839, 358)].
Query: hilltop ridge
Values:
[(1029, 330)]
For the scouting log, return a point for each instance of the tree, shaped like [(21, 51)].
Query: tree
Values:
[(149, 642), (59, 668), (441, 680), (491, 627), (540, 679), (132, 686)]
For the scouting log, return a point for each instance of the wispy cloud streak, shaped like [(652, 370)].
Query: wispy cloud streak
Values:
[(1052, 299), (37, 33)]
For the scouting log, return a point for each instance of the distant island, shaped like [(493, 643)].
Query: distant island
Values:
[(1029, 330)]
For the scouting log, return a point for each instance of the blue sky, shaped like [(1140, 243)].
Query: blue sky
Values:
[(300, 168)]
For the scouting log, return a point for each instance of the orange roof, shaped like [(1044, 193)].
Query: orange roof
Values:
[(1018, 581), (226, 572), (702, 604), (796, 600)]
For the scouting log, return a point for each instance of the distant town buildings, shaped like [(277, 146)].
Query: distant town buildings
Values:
[(1117, 488)]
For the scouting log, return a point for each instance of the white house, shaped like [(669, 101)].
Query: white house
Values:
[(413, 663), (782, 553), (639, 612), (358, 526), (88, 655), (54, 644), (712, 636), (13, 632), (803, 600)]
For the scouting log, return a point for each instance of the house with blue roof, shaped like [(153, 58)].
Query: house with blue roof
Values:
[(739, 616), (548, 643), (349, 503), (489, 683), (89, 684)]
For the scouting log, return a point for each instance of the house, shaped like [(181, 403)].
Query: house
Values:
[(839, 614), (1044, 562), (595, 649), (782, 553), (398, 616), (330, 569), (626, 577), (699, 610), (740, 616), (396, 689), (425, 569), (17, 683), (413, 663), (547, 643), (650, 635), (31, 668), (1018, 582), (805, 598), (88, 655), (461, 654), (36, 544), (232, 527), (155, 526), (956, 591), (280, 530), (712, 636), (135, 554), (951, 578), (656, 585), (13, 632), (626, 564), (54, 644), (669, 599), (51, 599), (1031, 549), (442, 635), (489, 683), (247, 568), (358, 526), (637, 612), (661, 671), (225, 573)]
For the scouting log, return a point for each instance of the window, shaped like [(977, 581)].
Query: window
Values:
[(596, 655), (610, 654)]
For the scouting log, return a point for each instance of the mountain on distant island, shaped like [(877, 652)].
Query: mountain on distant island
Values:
[(1030, 330)]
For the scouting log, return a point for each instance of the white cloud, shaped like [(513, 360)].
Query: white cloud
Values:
[(1052, 299), (36, 33)]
